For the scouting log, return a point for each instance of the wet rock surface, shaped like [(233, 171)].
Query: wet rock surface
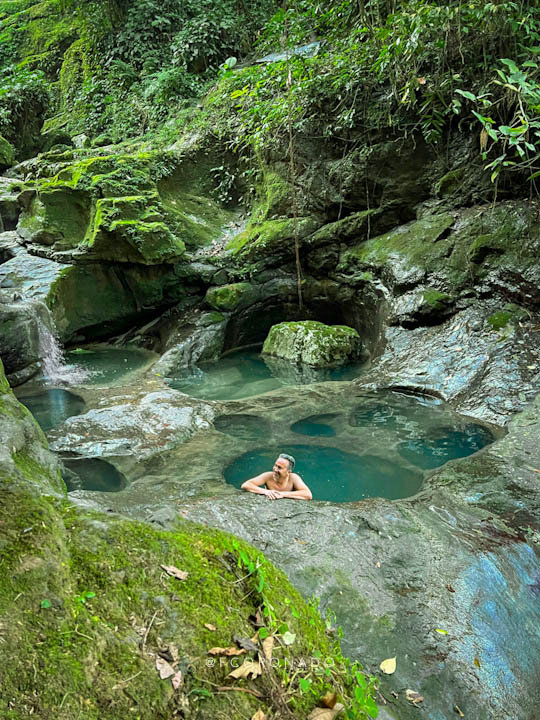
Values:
[(461, 557), (135, 422)]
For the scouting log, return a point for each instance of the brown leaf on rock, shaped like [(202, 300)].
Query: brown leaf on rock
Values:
[(175, 572), (247, 668), (209, 626), (326, 713), (450, 588), (477, 662), (259, 715), (164, 669), (229, 652), (414, 697), (458, 710), (329, 700)]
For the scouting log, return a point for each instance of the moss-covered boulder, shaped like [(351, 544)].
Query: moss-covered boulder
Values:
[(230, 297), (143, 207), (313, 343), (7, 153), (131, 229)]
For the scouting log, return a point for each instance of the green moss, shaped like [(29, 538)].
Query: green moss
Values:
[(450, 182), (271, 237), (313, 343), (353, 227), (409, 241), (499, 320), (7, 153), (436, 300), (228, 297)]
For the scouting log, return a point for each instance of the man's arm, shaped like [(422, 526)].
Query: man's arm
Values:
[(255, 484), (300, 490)]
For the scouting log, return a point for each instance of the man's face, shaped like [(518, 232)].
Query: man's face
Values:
[(280, 469)]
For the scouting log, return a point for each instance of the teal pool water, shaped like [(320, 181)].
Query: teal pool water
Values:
[(107, 365), (445, 444), (332, 474), (51, 407), (92, 474), (245, 373)]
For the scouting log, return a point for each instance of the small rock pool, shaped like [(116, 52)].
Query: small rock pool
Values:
[(380, 446)]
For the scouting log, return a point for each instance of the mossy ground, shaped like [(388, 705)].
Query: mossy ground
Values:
[(86, 608)]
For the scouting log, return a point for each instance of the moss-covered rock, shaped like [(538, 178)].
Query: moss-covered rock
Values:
[(7, 153), (230, 297), (131, 229), (98, 299), (313, 343), (272, 239)]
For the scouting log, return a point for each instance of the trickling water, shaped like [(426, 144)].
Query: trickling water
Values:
[(54, 368)]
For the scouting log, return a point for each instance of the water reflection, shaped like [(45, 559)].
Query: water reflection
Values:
[(52, 406)]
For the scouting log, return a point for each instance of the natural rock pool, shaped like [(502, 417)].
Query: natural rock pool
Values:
[(51, 406), (380, 448), (245, 373), (106, 365)]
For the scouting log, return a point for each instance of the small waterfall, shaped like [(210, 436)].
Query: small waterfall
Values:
[(53, 365)]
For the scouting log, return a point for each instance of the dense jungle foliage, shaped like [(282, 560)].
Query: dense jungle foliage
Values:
[(116, 70)]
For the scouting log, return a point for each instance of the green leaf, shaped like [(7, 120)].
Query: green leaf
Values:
[(467, 94), (45, 604), (263, 633), (371, 707), (305, 684), (510, 64)]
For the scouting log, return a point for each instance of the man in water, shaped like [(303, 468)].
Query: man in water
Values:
[(280, 483)]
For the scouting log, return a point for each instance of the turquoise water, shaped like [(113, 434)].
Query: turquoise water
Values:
[(445, 444), (107, 365), (52, 407), (92, 474), (382, 447), (332, 474), (244, 373)]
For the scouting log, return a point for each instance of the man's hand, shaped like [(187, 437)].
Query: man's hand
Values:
[(273, 494)]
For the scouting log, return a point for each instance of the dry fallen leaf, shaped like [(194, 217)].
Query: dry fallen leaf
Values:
[(267, 647), (450, 588), (388, 666), (458, 710), (413, 697), (229, 652), (378, 564), (477, 662), (394, 694), (177, 680), (259, 715), (329, 700), (326, 713), (209, 626), (175, 572), (165, 670), (247, 668)]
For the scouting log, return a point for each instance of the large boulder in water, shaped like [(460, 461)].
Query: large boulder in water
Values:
[(313, 343)]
